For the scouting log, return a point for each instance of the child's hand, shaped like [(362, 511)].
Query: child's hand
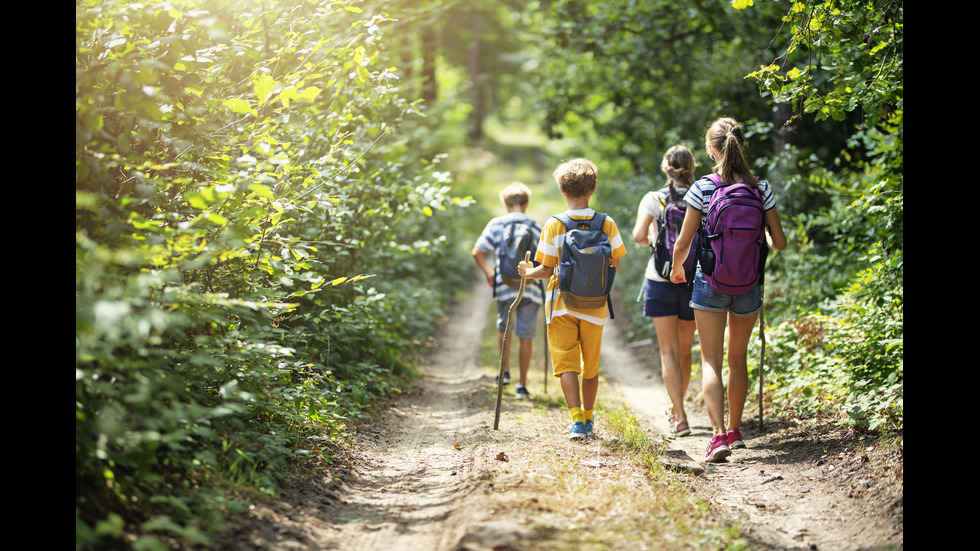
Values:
[(523, 267), (677, 274)]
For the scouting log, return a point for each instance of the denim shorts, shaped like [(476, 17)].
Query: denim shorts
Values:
[(667, 299), (522, 320), (707, 299)]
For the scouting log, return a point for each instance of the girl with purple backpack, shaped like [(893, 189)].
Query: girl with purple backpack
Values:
[(668, 305), (728, 281)]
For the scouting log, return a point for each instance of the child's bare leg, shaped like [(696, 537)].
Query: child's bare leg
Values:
[(711, 330), (590, 388), (570, 388), (525, 359)]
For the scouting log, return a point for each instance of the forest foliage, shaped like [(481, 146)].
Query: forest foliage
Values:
[(819, 88), (262, 241), (267, 227)]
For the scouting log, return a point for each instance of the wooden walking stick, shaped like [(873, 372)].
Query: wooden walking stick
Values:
[(762, 359), (504, 342), (545, 348)]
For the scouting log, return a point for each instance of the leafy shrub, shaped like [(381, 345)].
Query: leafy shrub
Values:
[(256, 252)]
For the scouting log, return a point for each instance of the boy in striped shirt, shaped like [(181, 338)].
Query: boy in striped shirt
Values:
[(515, 198), (574, 334)]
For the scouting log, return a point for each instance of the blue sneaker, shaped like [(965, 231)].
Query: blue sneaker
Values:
[(588, 428), (578, 431)]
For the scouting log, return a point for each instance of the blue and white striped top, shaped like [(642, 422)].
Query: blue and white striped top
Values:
[(488, 242), (701, 191)]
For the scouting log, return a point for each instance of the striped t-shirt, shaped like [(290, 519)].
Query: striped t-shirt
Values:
[(700, 193), (490, 239)]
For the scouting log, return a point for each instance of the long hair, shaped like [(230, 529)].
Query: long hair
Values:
[(678, 163), (726, 136)]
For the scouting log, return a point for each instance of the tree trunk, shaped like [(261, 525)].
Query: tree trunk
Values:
[(477, 98)]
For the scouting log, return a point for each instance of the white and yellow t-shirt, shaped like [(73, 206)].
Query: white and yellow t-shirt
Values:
[(549, 254)]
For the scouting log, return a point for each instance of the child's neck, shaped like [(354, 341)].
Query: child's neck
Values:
[(577, 203)]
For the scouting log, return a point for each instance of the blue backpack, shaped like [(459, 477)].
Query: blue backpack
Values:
[(668, 229), (585, 271), (517, 239), (733, 238)]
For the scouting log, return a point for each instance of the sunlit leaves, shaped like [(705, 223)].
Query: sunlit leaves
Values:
[(232, 177), (240, 106), (263, 86), (854, 59)]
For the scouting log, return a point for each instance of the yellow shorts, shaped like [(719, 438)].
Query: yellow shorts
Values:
[(574, 346)]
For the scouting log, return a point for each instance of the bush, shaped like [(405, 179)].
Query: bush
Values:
[(255, 244)]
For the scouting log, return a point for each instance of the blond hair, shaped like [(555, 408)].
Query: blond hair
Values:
[(576, 178), (726, 136), (514, 195)]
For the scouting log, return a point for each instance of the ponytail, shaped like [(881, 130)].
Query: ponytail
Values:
[(726, 136)]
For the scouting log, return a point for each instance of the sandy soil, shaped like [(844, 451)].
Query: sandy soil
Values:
[(412, 485)]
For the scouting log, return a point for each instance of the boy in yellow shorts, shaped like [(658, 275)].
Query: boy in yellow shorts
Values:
[(574, 329)]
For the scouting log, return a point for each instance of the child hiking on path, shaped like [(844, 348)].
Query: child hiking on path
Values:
[(574, 314), (719, 297), (668, 304), (508, 237)]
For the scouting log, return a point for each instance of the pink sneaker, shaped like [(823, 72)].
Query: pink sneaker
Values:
[(717, 449), (735, 439)]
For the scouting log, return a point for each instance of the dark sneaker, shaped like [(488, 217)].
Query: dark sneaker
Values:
[(506, 378), (717, 449), (521, 392)]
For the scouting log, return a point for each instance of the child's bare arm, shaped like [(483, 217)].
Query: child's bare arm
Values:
[(484, 264), (529, 271)]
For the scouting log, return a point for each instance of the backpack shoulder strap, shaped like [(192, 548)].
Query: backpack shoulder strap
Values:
[(565, 219), (573, 223), (597, 222)]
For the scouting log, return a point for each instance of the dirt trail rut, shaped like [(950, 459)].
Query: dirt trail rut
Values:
[(418, 473)]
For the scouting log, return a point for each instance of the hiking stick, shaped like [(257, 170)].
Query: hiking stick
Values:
[(545, 350), (504, 342), (762, 358)]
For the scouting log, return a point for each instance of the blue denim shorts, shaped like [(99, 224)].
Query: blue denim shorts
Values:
[(705, 298), (667, 299), (522, 320)]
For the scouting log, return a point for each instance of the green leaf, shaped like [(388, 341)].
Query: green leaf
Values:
[(240, 106), (263, 86), (363, 74)]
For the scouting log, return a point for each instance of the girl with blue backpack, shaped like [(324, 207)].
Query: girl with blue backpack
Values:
[(734, 216), (659, 219)]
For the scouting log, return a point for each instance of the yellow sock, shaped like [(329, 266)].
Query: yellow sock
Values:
[(588, 414), (577, 414)]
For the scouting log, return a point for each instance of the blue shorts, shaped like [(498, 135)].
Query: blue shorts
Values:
[(522, 320), (667, 299), (707, 299)]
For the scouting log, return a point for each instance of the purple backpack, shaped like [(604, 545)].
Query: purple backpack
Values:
[(733, 238), (668, 229)]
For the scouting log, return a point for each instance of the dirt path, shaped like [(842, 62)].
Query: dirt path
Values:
[(419, 476), (792, 488)]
